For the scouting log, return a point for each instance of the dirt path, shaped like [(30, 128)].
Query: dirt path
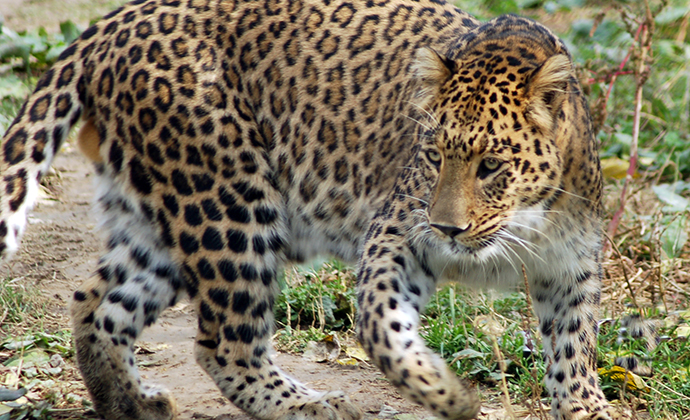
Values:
[(60, 250)]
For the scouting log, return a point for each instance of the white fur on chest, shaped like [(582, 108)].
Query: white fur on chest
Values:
[(550, 248)]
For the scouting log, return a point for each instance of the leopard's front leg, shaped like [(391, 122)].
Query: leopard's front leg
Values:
[(567, 309), (392, 288)]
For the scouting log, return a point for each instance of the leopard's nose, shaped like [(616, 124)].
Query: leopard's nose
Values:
[(451, 231)]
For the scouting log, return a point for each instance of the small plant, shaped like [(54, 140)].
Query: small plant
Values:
[(36, 49), (29, 53), (323, 298), (33, 365), (58, 343), (665, 391), (295, 340), (18, 303), (484, 337), (13, 91)]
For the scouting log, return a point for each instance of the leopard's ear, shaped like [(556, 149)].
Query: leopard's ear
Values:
[(546, 89), (432, 69)]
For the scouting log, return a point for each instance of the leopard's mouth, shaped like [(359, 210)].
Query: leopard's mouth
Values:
[(474, 247), (463, 243), (466, 245)]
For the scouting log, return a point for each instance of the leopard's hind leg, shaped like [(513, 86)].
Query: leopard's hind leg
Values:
[(135, 281), (235, 267), (235, 350)]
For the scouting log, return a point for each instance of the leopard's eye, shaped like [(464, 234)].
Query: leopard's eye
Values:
[(488, 166), (434, 156), (491, 164)]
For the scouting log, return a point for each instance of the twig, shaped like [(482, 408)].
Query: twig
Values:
[(288, 327), (610, 78), (504, 384), (625, 272), (668, 389), (644, 32), (623, 63)]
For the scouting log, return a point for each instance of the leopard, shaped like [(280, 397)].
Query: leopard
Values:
[(231, 137)]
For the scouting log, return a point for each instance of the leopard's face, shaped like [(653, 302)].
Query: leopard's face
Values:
[(490, 158)]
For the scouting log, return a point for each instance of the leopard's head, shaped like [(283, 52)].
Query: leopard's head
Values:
[(492, 143)]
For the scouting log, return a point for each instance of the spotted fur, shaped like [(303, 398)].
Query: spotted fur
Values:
[(230, 137)]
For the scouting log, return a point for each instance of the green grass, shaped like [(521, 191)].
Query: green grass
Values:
[(26, 345), (465, 334), (321, 297), (475, 331), (19, 303), (13, 89), (453, 330), (466, 328)]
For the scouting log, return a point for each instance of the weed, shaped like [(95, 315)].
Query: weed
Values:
[(30, 53), (665, 392), (36, 49), (295, 340), (35, 363), (18, 303), (14, 89), (478, 332), (323, 297)]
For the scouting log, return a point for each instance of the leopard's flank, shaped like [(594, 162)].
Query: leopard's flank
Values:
[(231, 137)]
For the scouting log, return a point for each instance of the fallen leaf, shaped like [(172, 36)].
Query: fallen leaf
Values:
[(11, 394), (619, 374), (350, 361), (683, 331), (614, 167), (357, 352)]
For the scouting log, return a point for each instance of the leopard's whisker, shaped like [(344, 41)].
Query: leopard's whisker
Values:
[(510, 235), (414, 198), (527, 246), (538, 216), (527, 227), (569, 193), (503, 248), (537, 212), (429, 114), (421, 124)]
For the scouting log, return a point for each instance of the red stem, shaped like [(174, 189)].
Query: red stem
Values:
[(625, 61), (609, 77), (632, 167)]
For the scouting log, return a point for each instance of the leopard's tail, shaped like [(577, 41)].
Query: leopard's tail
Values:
[(35, 136)]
